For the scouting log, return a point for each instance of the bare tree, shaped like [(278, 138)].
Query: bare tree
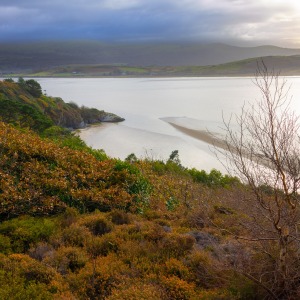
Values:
[(264, 151)]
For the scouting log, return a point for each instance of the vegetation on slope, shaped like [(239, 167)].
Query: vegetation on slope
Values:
[(23, 103), (75, 224), (116, 227)]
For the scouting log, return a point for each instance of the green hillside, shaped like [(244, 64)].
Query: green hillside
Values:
[(23, 103)]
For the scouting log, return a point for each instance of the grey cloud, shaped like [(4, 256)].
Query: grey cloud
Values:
[(155, 19)]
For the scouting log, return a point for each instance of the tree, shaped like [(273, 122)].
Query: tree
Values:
[(34, 88), (174, 157), (265, 153), (31, 86)]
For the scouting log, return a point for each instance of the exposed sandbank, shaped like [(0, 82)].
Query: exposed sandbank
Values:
[(202, 135), (210, 138)]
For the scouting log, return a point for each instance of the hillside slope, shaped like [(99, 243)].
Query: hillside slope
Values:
[(285, 65), (40, 55), (24, 103), (75, 224)]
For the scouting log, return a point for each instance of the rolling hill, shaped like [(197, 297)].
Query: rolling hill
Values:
[(33, 57), (285, 65)]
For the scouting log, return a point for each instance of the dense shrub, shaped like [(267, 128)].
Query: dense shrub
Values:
[(98, 278), (22, 277), (25, 231), (136, 290), (97, 224), (104, 245), (119, 217), (67, 259), (23, 115), (75, 235), (213, 179), (176, 245), (176, 288)]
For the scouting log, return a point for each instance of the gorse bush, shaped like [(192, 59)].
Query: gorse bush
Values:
[(49, 178)]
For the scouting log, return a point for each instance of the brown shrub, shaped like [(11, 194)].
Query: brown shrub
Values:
[(176, 288), (120, 217), (176, 245), (67, 259), (136, 290), (103, 245), (97, 224), (97, 279), (75, 235)]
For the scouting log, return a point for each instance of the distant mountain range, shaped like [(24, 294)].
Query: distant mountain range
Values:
[(34, 57)]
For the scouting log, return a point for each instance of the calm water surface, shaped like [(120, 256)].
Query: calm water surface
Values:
[(198, 103)]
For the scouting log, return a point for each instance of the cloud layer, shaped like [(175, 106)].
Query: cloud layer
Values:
[(243, 21)]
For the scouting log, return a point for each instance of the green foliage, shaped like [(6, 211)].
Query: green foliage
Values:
[(33, 88), (23, 115), (172, 203), (91, 115), (14, 287), (20, 233), (138, 186), (131, 158), (213, 179), (5, 244), (9, 80), (66, 138), (174, 157), (28, 93), (161, 167), (125, 166)]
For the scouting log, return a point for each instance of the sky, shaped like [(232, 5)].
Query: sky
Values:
[(239, 22)]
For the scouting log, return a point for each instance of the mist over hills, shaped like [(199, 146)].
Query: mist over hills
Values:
[(44, 55)]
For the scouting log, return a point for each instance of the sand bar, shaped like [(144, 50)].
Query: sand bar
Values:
[(202, 135)]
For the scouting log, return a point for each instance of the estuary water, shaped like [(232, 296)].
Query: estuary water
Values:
[(150, 105)]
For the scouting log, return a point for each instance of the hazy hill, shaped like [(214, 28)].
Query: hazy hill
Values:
[(34, 56), (286, 65)]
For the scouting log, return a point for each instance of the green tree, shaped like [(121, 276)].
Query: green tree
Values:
[(31, 86), (34, 88)]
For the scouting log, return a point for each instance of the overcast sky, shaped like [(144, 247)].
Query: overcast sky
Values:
[(242, 22)]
